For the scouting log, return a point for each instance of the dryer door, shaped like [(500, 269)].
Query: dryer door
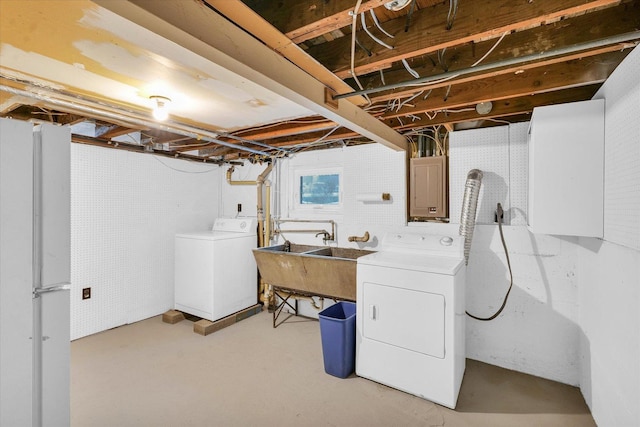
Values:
[(404, 318)]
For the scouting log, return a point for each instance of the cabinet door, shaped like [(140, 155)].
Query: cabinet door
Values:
[(566, 169), (428, 187)]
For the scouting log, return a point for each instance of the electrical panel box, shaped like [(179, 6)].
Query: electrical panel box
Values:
[(566, 169), (428, 187)]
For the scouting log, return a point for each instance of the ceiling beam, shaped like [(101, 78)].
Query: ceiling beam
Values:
[(285, 129), (301, 20), (474, 21), (199, 29), (569, 74), (240, 14)]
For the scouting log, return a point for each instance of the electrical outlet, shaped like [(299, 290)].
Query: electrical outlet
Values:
[(86, 293), (495, 217), (239, 207)]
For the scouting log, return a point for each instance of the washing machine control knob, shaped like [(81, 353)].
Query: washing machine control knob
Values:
[(446, 241)]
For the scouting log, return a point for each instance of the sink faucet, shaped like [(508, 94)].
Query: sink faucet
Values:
[(326, 235)]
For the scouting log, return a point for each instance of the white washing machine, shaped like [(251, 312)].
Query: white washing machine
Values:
[(215, 272), (410, 318)]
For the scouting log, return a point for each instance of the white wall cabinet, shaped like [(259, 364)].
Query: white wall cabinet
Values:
[(566, 169)]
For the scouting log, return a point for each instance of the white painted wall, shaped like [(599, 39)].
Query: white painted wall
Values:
[(537, 332), (125, 210), (609, 269)]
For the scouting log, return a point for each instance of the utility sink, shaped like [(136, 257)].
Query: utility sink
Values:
[(312, 270)]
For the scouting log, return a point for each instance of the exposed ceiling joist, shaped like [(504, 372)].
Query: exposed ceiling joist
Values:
[(303, 20), (474, 21), (602, 24), (579, 72), (241, 14)]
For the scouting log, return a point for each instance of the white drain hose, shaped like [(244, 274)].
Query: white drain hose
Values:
[(469, 205)]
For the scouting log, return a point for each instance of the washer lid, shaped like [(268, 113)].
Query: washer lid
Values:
[(417, 262)]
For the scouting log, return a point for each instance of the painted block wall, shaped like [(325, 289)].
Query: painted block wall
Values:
[(609, 269), (370, 168), (125, 210), (537, 332)]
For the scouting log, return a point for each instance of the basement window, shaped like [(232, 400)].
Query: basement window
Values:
[(318, 189)]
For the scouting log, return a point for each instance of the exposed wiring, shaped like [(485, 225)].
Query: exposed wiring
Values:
[(453, 9), (490, 50), (366, 30), (441, 57), (375, 21), (446, 95), (411, 71), (460, 110), (354, 27), (441, 60), (499, 214), (381, 74), (403, 103), (497, 120), (302, 147), (180, 170), (409, 15)]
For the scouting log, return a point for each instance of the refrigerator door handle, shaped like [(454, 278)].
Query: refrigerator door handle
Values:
[(57, 287)]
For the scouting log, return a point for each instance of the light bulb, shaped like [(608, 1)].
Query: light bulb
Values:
[(161, 109)]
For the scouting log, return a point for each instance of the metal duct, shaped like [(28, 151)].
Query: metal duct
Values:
[(469, 205)]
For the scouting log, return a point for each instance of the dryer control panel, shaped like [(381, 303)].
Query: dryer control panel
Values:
[(429, 244)]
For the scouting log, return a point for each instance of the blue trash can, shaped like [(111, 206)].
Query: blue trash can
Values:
[(338, 333)]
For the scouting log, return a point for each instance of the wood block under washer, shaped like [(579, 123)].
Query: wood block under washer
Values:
[(172, 316)]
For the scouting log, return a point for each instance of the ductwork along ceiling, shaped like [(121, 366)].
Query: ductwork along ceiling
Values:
[(259, 78)]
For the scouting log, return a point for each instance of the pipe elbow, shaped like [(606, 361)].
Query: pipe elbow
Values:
[(364, 238)]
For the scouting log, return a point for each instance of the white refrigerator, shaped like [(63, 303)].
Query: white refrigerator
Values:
[(35, 241)]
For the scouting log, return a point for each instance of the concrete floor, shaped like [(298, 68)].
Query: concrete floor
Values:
[(155, 374)]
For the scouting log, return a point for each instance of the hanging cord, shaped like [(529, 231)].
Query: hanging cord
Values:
[(354, 27), (506, 252), (375, 21), (366, 30)]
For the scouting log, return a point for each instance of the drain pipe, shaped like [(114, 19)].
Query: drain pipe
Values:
[(120, 115), (259, 182), (264, 224)]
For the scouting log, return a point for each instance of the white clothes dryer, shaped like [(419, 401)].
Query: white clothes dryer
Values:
[(215, 272), (410, 315)]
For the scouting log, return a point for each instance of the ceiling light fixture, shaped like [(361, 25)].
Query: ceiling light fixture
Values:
[(161, 109), (396, 5), (484, 107)]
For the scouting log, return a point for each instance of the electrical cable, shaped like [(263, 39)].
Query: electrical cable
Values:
[(181, 170), (411, 71), (366, 30), (354, 27), (506, 252), (375, 21)]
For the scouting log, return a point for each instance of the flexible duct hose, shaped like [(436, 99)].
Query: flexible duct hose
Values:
[(469, 205)]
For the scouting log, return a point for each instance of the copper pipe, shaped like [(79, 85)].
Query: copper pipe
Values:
[(364, 238)]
